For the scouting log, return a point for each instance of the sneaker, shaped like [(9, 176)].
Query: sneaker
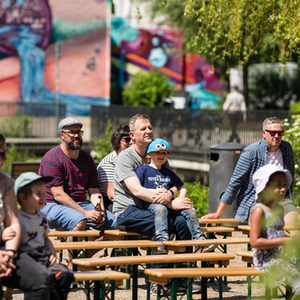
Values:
[(182, 286), (162, 249), (163, 289), (204, 249)]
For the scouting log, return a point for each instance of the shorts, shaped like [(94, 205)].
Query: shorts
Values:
[(288, 206), (66, 218)]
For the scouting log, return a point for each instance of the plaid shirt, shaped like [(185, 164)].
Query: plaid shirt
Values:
[(240, 186)]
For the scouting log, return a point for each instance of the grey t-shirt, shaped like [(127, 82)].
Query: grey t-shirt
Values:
[(127, 163)]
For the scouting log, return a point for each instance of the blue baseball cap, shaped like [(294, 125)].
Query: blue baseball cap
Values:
[(158, 145)]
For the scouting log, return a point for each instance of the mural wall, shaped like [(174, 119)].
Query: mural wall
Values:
[(161, 49), (54, 51)]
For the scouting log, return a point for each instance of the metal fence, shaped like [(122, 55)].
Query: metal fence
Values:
[(190, 133)]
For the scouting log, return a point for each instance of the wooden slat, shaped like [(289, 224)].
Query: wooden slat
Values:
[(219, 221), (148, 259), (85, 233), (218, 229), (100, 275), (159, 275), (181, 245), (105, 244)]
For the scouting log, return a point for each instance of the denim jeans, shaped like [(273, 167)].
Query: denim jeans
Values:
[(142, 222), (160, 212), (192, 222)]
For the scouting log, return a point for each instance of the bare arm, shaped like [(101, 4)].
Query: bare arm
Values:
[(109, 187), (183, 192), (63, 198), (256, 241), (12, 220), (51, 251), (150, 195), (219, 212)]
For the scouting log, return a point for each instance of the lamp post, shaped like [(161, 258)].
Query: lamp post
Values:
[(57, 82)]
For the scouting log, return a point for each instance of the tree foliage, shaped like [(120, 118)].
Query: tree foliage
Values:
[(147, 89), (238, 30), (102, 145), (292, 135)]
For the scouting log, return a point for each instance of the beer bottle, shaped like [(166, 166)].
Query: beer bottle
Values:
[(98, 206)]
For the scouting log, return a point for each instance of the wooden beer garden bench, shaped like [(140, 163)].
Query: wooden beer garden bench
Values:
[(180, 246), (161, 276), (99, 278), (19, 167), (211, 258)]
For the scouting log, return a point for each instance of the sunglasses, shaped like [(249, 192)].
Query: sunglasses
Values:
[(3, 153), (274, 132), (126, 139)]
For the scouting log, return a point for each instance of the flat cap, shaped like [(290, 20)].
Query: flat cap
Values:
[(68, 122)]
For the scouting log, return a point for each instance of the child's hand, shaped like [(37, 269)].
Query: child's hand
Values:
[(8, 234), (53, 259)]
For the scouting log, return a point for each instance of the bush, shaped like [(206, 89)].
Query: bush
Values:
[(292, 135), (102, 145), (16, 127), (147, 89), (198, 193)]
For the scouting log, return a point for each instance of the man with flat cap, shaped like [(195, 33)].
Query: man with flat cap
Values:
[(74, 175)]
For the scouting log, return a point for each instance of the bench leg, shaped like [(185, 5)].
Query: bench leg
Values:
[(204, 288), (174, 285), (134, 282), (189, 290), (220, 287)]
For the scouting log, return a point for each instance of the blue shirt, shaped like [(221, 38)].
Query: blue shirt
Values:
[(152, 178), (251, 159)]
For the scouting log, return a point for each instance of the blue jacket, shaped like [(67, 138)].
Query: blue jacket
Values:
[(240, 186)]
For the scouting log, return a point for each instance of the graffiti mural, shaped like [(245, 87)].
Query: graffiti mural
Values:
[(54, 51), (161, 49)]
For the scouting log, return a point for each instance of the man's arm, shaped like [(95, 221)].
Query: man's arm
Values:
[(150, 195), (109, 187), (238, 178)]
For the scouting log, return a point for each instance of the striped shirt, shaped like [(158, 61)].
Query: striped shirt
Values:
[(106, 170), (75, 175), (240, 186)]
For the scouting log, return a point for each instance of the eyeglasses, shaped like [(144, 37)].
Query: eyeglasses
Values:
[(274, 132), (3, 153), (72, 133), (126, 139)]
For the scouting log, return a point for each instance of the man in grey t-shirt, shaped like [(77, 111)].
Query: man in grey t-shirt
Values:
[(130, 196)]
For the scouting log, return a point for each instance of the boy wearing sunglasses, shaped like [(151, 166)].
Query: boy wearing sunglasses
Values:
[(271, 149)]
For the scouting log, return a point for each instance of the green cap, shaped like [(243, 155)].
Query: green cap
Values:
[(28, 178)]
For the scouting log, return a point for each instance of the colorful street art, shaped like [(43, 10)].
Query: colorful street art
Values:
[(161, 49), (55, 52)]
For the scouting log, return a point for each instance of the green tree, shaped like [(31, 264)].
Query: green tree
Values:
[(243, 31), (102, 145), (147, 89), (292, 136)]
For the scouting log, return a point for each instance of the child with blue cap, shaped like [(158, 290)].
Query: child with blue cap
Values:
[(156, 176)]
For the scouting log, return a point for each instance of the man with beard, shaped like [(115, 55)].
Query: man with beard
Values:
[(74, 175)]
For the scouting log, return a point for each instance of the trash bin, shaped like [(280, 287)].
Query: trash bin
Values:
[(223, 158)]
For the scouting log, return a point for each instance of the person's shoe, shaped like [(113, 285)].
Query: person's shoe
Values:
[(163, 290), (162, 249), (182, 287), (204, 249)]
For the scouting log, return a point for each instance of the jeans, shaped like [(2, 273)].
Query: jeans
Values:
[(142, 222), (160, 212), (66, 217), (192, 222)]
